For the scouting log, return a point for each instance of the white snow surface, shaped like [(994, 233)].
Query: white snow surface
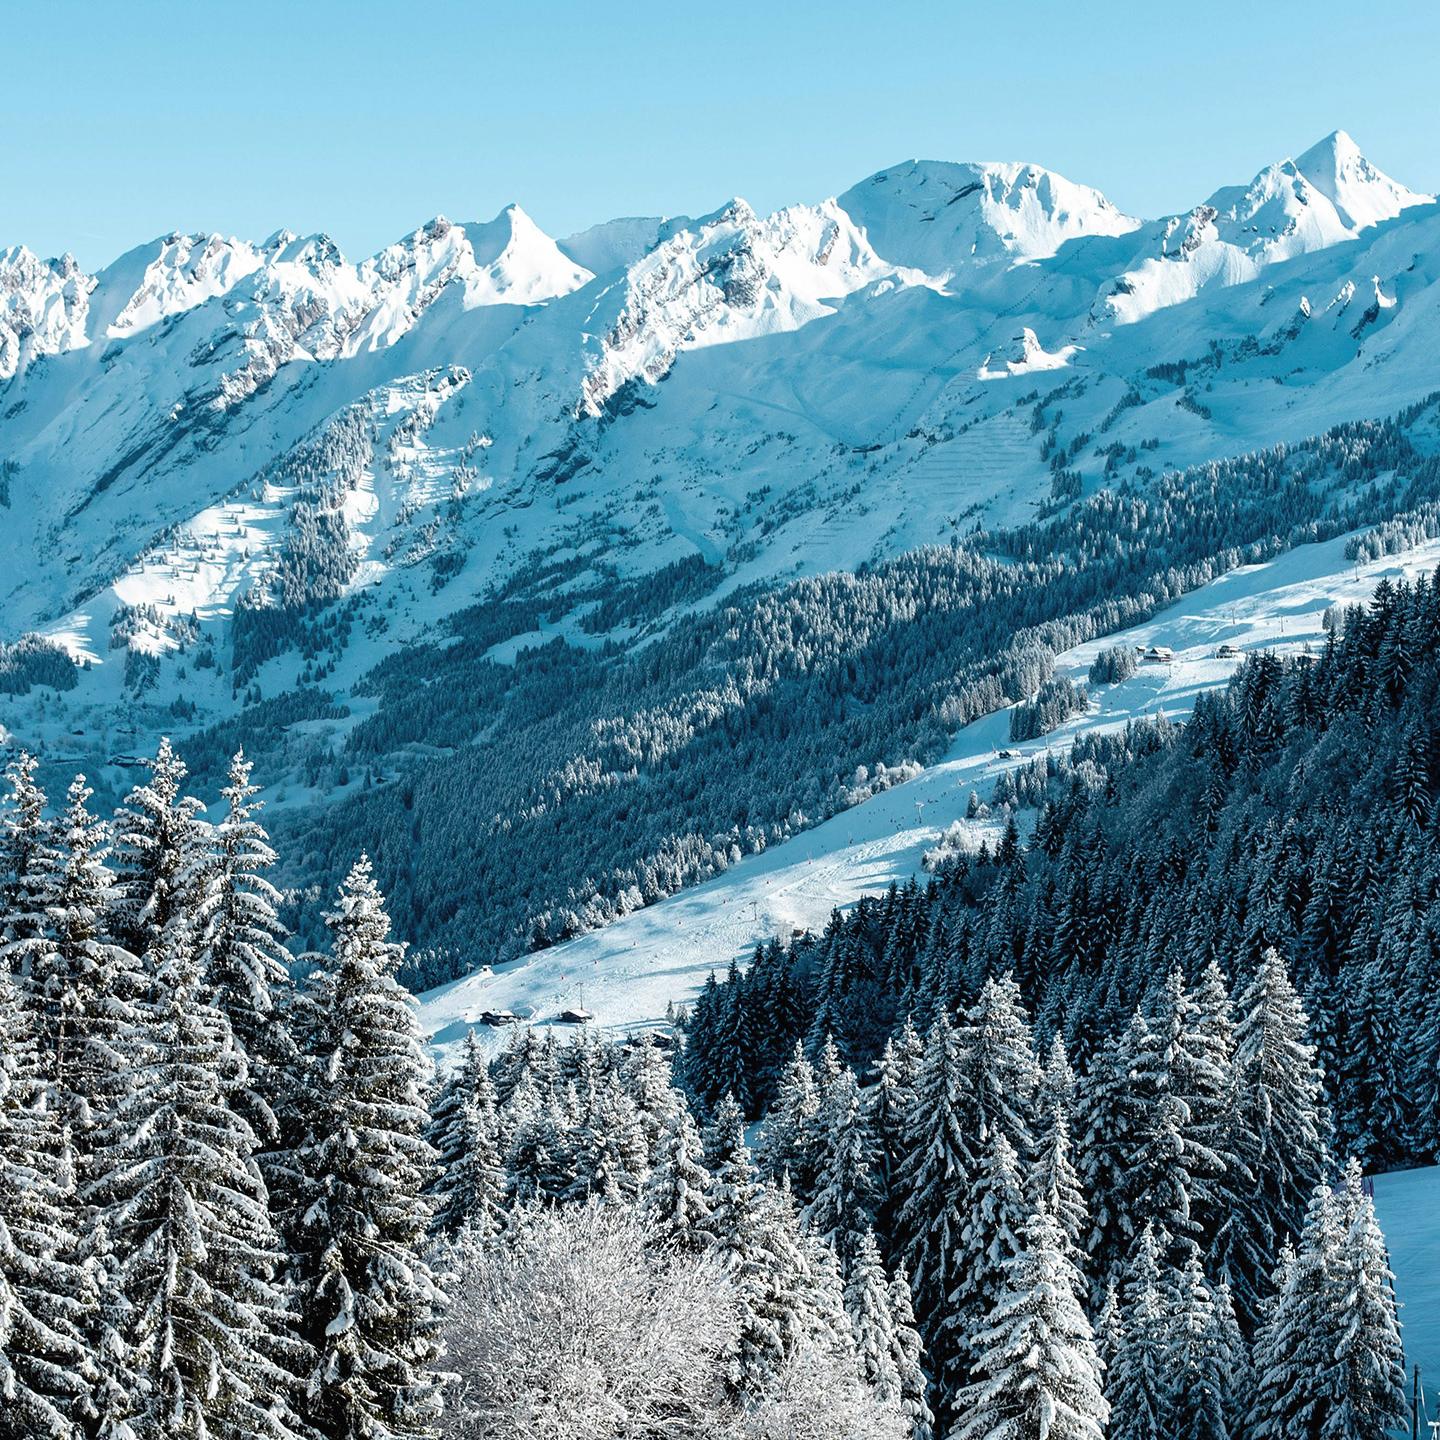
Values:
[(627, 973), (1407, 1203)]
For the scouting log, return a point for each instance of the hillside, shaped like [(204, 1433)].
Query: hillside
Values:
[(257, 493)]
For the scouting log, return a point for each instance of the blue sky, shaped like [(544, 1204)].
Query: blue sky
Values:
[(123, 121)]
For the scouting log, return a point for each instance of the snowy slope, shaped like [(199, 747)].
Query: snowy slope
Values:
[(1407, 1203), (629, 972), (778, 394)]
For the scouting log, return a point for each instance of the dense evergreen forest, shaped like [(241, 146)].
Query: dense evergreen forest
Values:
[(1067, 1143), (512, 804)]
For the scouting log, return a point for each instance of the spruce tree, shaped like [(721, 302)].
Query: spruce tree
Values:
[(932, 1175), (46, 1372), (1138, 1386), (84, 986), (1328, 1358), (243, 962), (1202, 1366), (26, 855), (369, 1306), (788, 1139), (676, 1199), (1038, 1368), (993, 1214), (204, 1337), (1055, 1183), (890, 1098), (868, 1304), (1279, 1133), (842, 1211), (468, 1189), (908, 1358), (161, 858)]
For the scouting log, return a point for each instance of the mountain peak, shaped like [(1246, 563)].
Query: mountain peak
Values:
[(936, 215)]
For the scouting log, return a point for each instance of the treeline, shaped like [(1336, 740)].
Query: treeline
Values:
[(1295, 811), (234, 1203), (586, 783), (34, 661), (1162, 1246), (1227, 930)]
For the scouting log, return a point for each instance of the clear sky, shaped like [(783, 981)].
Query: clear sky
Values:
[(122, 121)]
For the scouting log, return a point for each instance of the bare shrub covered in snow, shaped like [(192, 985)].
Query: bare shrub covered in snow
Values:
[(575, 1327), (570, 1328)]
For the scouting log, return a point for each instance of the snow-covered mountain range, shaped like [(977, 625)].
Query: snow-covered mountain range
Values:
[(210, 424)]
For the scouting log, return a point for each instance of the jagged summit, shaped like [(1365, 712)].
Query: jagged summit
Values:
[(936, 216), (1361, 193)]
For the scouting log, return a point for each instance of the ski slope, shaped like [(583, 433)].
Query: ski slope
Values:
[(627, 973)]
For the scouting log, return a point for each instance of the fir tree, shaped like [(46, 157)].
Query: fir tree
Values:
[(842, 1211), (1139, 1383), (203, 1348), (1039, 1372), (1328, 1358), (85, 987), (368, 1303), (1056, 1183), (890, 1098), (469, 1186), (26, 855), (931, 1217), (993, 1214), (161, 857), (1202, 1365), (243, 963), (908, 1358), (46, 1372), (1279, 1132), (868, 1304), (676, 1199)]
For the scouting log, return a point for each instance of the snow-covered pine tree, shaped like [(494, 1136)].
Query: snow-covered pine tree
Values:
[(1055, 1183), (1104, 1153), (1368, 1352), (243, 963), (161, 857), (647, 1076), (889, 1099), (1001, 1072), (1039, 1371), (469, 1187), (84, 986), (610, 1159), (932, 1173), (757, 1238), (369, 1305), (872, 1317), (725, 1127), (1138, 1385), (914, 1400), (733, 1057), (1208, 1083), (531, 1142), (1279, 1133), (1328, 1359), (1174, 1080), (1202, 1366), (205, 1343), (788, 1140), (26, 854), (842, 1210), (676, 1199), (994, 1210), (46, 1373)]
